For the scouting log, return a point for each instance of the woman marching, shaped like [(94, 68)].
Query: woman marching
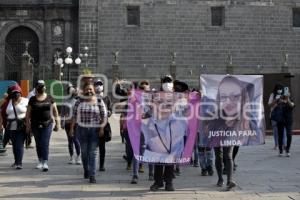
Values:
[(91, 118), (41, 113), (15, 113)]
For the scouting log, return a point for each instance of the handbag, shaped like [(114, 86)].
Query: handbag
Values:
[(107, 132), (21, 124)]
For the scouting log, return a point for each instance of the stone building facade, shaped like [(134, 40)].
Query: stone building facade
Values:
[(47, 26)]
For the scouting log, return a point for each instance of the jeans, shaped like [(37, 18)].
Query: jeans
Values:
[(42, 140), (18, 139), (89, 141), (205, 157), (281, 127), (196, 155), (129, 150), (275, 133), (102, 152), (227, 153), (72, 141), (135, 168)]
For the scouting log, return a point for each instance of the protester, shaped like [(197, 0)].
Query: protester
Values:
[(274, 96), (41, 113), (137, 166), (91, 117), (283, 115), (99, 87), (14, 118), (67, 118), (164, 173)]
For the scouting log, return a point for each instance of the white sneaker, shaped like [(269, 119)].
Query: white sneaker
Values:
[(78, 160), (45, 167), (39, 166), (280, 154), (287, 154), (71, 161)]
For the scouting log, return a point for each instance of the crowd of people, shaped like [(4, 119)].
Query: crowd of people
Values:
[(84, 117)]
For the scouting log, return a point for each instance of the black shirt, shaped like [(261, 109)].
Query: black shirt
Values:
[(41, 110)]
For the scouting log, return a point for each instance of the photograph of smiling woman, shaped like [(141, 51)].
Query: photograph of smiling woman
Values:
[(234, 124)]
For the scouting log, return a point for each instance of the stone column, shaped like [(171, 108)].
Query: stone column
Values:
[(27, 67), (115, 67)]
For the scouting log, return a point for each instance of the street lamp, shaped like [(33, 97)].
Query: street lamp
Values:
[(68, 61)]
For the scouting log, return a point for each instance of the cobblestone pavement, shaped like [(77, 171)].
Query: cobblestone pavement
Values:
[(261, 175)]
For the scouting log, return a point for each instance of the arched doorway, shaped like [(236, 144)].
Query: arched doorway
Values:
[(15, 47)]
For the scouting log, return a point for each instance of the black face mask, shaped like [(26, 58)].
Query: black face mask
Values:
[(15, 95), (40, 90)]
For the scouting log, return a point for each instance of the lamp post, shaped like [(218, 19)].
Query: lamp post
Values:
[(68, 61)]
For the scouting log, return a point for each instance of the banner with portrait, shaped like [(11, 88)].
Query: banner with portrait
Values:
[(162, 126), (231, 110)]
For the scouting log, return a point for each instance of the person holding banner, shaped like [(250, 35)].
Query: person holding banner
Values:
[(234, 124), (164, 137)]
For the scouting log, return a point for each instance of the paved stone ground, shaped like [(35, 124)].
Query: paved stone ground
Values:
[(261, 175)]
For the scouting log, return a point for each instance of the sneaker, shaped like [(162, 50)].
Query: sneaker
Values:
[(134, 179), (39, 165), (210, 171), (78, 160), (156, 187), (13, 165), (71, 161), (169, 187), (230, 186), (280, 154), (177, 172), (86, 175), (220, 183), (196, 164), (141, 169), (92, 179), (287, 154), (102, 169), (45, 167), (151, 177), (19, 167), (204, 172)]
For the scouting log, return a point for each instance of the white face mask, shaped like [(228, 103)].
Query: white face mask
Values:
[(99, 89), (167, 87)]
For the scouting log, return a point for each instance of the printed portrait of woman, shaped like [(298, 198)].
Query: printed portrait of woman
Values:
[(163, 133), (234, 121)]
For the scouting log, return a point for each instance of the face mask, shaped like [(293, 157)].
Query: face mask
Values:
[(99, 89), (279, 91), (41, 90), (167, 87), (15, 95)]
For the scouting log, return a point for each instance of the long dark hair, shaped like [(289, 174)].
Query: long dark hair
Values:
[(278, 86)]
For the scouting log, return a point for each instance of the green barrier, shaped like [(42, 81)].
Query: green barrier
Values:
[(55, 89)]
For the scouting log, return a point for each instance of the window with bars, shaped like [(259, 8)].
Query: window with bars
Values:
[(217, 16), (296, 17), (133, 15)]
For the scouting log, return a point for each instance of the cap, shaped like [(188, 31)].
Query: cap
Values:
[(98, 82), (167, 79), (14, 88), (40, 83), (180, 86)]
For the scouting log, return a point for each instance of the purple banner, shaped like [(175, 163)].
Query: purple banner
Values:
[(163, 126)]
